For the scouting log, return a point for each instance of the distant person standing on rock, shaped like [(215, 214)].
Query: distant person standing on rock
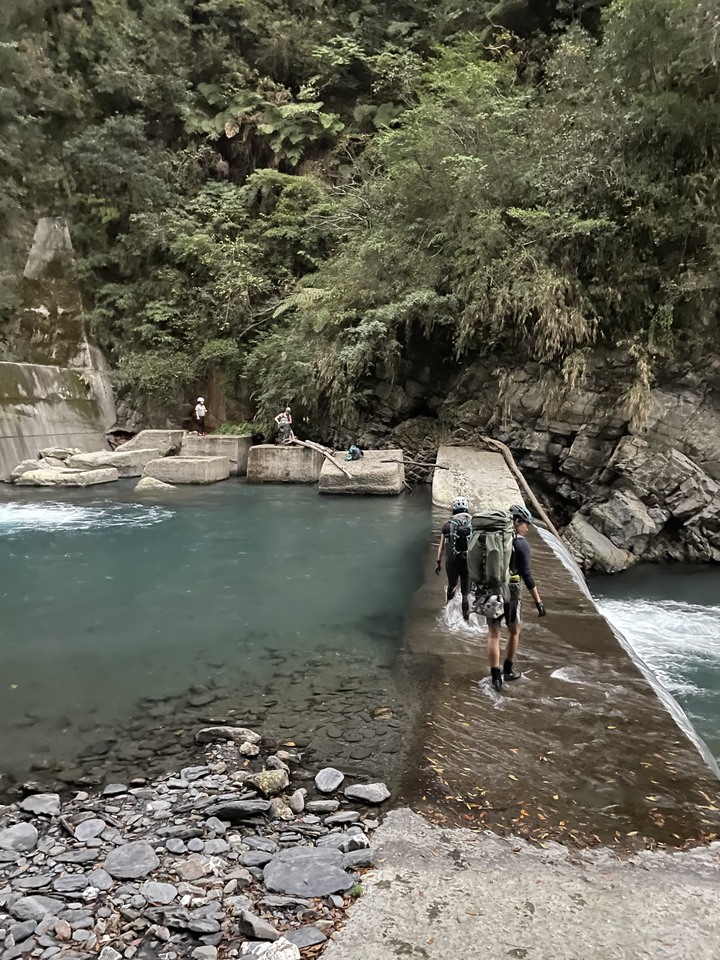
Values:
[(200, 413)]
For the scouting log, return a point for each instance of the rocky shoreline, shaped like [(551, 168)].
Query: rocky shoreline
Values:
[(224, 859)]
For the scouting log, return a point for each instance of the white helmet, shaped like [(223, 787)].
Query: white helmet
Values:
[(460, 503), (201, 399)]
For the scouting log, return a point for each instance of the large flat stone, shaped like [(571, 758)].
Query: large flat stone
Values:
[(166, 441), (128, 463), (370, 475), (64, 477), (188, 469), (283, 464), (307, 872), (236, 449)]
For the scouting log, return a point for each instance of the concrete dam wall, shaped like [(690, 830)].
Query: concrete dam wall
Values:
[(46, 406)]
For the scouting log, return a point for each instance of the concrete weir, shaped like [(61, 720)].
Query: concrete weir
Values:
[(586, 746), (283, 464), (379, 472), (236, 449)]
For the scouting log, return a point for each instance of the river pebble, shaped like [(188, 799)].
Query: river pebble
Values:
[(219, 853)]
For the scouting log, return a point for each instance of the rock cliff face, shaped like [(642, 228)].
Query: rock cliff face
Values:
[(628, 480)]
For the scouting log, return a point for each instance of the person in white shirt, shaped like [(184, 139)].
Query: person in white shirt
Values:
[(200, 411)]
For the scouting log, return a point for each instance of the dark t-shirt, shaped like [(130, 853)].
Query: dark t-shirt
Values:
[(520, 561), (447, 531)]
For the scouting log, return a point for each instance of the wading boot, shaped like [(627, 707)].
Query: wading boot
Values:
[(496, 678), (509, 673)]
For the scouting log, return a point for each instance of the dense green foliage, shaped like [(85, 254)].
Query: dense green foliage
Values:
[(294, 193)]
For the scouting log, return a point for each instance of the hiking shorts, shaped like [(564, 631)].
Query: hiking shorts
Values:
[(511, 615)]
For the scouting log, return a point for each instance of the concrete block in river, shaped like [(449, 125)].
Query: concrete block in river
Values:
[(128, 463), (236, 449), (283, 464), (64, 477), (483, 477), (369, 475), (188, 469), (166, 441)]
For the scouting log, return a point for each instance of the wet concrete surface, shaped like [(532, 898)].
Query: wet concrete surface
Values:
[(447, 892), (585, 747)]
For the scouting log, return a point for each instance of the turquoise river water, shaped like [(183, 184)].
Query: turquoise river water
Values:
[(231, 594), (127, 624)]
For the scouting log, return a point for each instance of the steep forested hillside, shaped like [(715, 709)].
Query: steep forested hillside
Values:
[(291, 194)]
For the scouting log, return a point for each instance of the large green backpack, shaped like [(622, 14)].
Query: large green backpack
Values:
[(490, 552)]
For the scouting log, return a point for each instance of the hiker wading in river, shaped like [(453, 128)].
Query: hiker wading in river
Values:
[(454, 541), (507, 603)]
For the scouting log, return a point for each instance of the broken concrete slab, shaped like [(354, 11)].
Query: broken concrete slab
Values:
[(64, 477), (236, 449), (268, 463), (188, 469), (168, 442), (128, 463), (372, 474)]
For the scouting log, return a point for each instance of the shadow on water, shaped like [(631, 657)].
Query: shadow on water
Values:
[(586, 746)]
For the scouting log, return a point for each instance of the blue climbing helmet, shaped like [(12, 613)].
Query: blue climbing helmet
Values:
[(518, 512)]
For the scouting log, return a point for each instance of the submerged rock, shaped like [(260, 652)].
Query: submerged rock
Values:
[(150, 483), (238, 734)]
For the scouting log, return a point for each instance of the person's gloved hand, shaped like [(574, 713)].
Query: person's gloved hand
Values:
[(438, 567), (542, 612)]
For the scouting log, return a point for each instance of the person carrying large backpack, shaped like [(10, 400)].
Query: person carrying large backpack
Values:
[(499, 562), (454, 541)]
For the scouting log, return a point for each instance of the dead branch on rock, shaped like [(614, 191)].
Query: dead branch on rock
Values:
[(324, 451)]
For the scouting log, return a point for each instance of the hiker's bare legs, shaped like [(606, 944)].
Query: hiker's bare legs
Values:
[(513, 641), (493, 644)]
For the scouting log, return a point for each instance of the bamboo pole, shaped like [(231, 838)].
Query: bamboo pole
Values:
[(510, 460), (324, 451)]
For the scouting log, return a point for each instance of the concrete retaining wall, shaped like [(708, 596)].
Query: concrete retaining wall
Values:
[(282, 464), (188, 469), (370, 475), (45, 406), (236, 449)]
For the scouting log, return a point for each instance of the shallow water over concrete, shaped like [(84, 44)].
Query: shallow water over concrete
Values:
[(585, 745)]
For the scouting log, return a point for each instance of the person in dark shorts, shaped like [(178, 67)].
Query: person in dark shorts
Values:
[(511, 611), (454, 543)]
